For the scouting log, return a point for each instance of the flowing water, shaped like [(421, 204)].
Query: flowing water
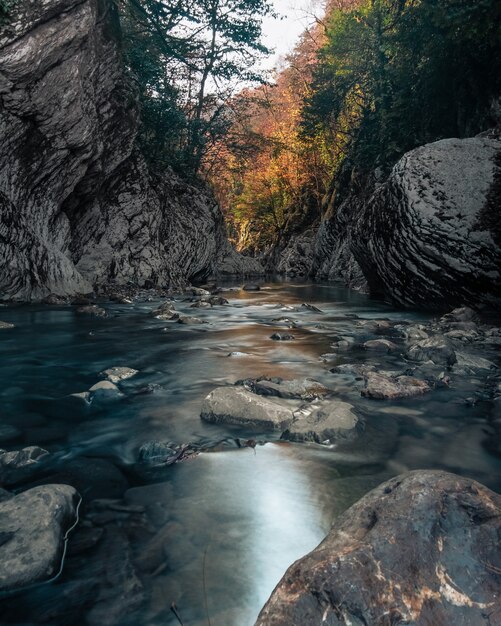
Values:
[(220, 528)]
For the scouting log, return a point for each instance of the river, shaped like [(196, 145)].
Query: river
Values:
[(220, 528)]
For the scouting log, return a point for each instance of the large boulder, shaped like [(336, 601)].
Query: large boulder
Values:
[(429, 236), (323, 422), (422, 548), (33, 527), (240, 407)]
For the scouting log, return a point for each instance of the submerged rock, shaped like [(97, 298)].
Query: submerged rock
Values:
[(187, 319), (383, 345), (421, 549), (33, 526), (323, 422), (92, 309), (437, 349), (282, 337), (383, 387), (240, 407), (251, 287)]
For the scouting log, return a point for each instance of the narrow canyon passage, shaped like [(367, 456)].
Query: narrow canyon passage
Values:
[(214, 532)]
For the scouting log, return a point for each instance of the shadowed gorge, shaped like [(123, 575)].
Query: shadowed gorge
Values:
[(250, 317)]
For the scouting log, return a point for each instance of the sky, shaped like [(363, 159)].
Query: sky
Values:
[(283, 34)]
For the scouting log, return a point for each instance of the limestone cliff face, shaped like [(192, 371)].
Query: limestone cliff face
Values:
[(79, 208)]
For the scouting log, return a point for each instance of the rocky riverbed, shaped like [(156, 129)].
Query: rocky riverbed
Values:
[(179, 457)]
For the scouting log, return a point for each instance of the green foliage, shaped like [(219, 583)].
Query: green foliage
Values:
[(188, 57), (405, 72)]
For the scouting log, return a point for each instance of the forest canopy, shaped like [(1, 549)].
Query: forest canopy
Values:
[(370, 80)]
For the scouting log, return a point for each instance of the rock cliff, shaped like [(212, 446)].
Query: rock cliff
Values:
[(80, 209)]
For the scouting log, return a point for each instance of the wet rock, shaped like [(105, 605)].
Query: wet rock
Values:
[(34, 524), (251, 287), (422, 549), (323, 422), (21, 458), (382, 387), (354, 369), (92, 309), (104, 391), (166, 311), (282, 337), (383, 345), (301, 389), (187, 319), (240, 407), (5, 325), (413, 332), (376, 326), (311, 307), (117, 374), (238, 354), (461, 314), (471, 364), (201, 305), (216, 300), (161, 453), (437, 349)]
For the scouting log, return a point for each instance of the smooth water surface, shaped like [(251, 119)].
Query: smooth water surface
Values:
[(220, 528)]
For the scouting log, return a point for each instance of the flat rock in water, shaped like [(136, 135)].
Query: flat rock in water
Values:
[(92, 309), (437, 349), (422, 549), (251, 287), (383, 387), (238, 406), (33, 525), (383, 345), (116, 374), (470, 363), (21, 458), (187, 319), (323, 422), (297, 388)]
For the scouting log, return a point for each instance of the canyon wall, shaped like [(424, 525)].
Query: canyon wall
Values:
[(79, 208)]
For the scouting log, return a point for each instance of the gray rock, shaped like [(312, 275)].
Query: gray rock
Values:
[(237, 406), (323, 422), (298, 388), (461, 314), (282, 337), (188, 319), (437, 349), (117, 374), (79, 206), (4, 325), (92, 309), (34, 524), (201, 305), (383, 387), (426, 237), (471, 363), (413, 549), (382, 345), (21, 458)]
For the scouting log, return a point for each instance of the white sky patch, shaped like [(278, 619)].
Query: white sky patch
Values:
[(283, 33)]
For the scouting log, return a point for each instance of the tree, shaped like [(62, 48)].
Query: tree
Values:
[(189, 59)]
